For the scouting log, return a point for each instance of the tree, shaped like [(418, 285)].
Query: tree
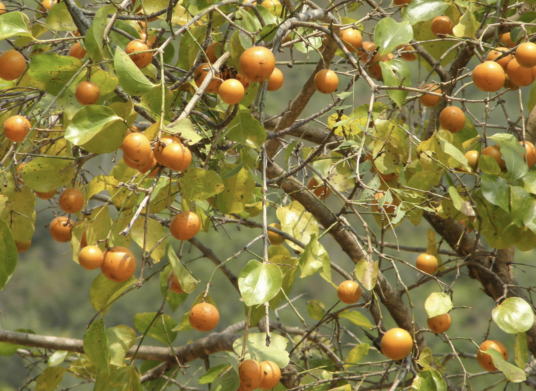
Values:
[(153, 87)]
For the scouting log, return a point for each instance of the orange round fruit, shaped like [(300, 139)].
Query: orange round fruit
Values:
[(149, 40), (352, 39), (16, 128), (211, 52), (161, 145), (321, 192), (91, 257), (71, 200), (199, 76), (427, 263), (137, 148), (274, 238), (175, 284), (119, 264), (23, 246), (257, 63), (442, 25), (495, 152), (276, 80), (509, 85), (485, 359), (452, 119), (489, 76), (531, 153), (439, 324), (177, 157), (366, 53), (326, 81), (2, 8), (12, 65), (519, 75), (231, 91), (61, 229), (472, 159), (405, 52), (185, 225), (45, 195), (250, 374), (401, 2), (507, 40), (140, 59), (47, 5), (349, 292), (242, 79), (77, 51), (149, 165), (204, 317), (496, 53), (271, 374), (87, 93), (397, 344), (428, 100)]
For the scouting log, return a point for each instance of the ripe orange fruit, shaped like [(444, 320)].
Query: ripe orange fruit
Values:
[(77, 51), (519, 75), (175, 284), (160, 145), (507, 40), (495, 53), (149, 165), (137, 148), (442, 25), (257, 63), (427, 263), (352, 39), (231, 91), (349, 292), (71, 200), (149, 40), (509, 85), (185, 225), (91, 257), (2, 8), (531, 152), (12, 65), (439, 324), (83, 239), (271, 5), (199, 75), (405, 52), (430, 100), (495, 152), (47, 5), (60, 229), (119, 264), (274, 238), (46, 195), (22, 246), (321, 192), (485, 359), (250, 374), (452, 119), (366, 53), (271, 375), (276, 80), (87, 93), (177, 157), (488, 76), (211, 52), (16, 128), (242, 79), (326, 81), (204, 317), (140, 59), (472, 159), (397, 344)]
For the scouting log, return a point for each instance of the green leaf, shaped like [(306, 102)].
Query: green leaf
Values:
[(356, 318), (512, 373), (315, 258), (280, 256), (367, 273), (185, 129), (529, 213), (521, 350), (186, 278), (119, 379), (213, 373), (357, 353), (97, 129), (59, 19), (57, 358), (246, 129), (50, 378), (198, 184), (55, 78), (297, 222), (103, 290), (388, 34), (429, 380), (100, 183), (488, 165), (229, 381), (96, 345), (173, 299), (423, 10), (155, 234), (529, 182), (259, 282), (514, 315), (425, 358), (142, 322), (396, 73), (437, 304), (14, 24), (120, 339), (316, 309), (131, 79), (496, 191), (518, 196), (468, 25), (454, 152), (256, 348), (46, 173), (8, 249), (456, 199), (95, 34), (22, 215)]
